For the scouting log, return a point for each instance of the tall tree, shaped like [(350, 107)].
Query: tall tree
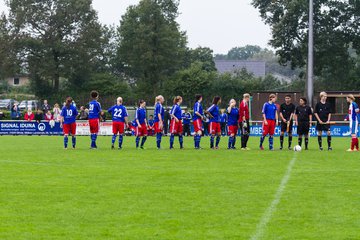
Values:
[(204, 55), (8, 61), (336, 25), (151, 47), (57, 39)]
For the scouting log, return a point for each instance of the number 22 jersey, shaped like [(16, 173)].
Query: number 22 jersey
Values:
[(118, 112)]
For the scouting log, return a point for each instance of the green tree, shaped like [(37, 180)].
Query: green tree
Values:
[(8, 61), (151, 47), (188, 82), (239, 53), (204, 55), (56, 39), (336, 25)]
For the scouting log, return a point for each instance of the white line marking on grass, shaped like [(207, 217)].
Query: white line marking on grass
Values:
[(261, 227)]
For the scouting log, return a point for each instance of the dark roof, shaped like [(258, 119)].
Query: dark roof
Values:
[(229, 66)]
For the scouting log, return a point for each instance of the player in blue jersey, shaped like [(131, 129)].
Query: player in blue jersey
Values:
[(214, 128), (186, 118), (197, 121), (68, 122), (141, 124), (223, 122), (119, 121), (271, 118), (159, 119), (353, 118), (233, 123), (176, 127), (94, 115)]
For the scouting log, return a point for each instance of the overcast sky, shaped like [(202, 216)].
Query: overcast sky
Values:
[(219, 25)]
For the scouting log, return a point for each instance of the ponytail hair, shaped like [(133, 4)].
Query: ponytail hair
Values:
[(216, 100), (157, 99), (68, 102), (140, 102), (177, 99)]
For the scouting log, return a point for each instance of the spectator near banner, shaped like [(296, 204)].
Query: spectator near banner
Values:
[(39, 116), (15, 112), (48, 116), (29, 115), (186, 117), (57, 113), (45, 107)]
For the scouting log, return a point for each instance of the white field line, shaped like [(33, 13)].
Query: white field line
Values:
[(262, 225)]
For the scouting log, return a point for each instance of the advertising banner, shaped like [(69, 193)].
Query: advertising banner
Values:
[(48, 128), (82, 129)]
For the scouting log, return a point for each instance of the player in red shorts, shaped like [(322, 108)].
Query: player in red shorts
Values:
[(68, 122), (94, 115), (176, 127), (119, 121), (270, 117), (197, 121), (141, 124), (233, 123), (159, 119), (214, 128)]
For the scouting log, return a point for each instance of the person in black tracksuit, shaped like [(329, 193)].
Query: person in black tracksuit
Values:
[(303, 119), (323, 115), (167, 118), (287, 111)]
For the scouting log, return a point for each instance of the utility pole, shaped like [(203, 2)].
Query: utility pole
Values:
[(310, 62)]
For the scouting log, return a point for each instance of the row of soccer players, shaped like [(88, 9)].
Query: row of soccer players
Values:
[(120, 121), (236, 117)]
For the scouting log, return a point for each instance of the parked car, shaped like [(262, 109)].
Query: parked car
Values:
[(7, 103), (26, 104)]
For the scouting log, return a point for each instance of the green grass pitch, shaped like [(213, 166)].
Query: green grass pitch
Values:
[(49, 193)]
